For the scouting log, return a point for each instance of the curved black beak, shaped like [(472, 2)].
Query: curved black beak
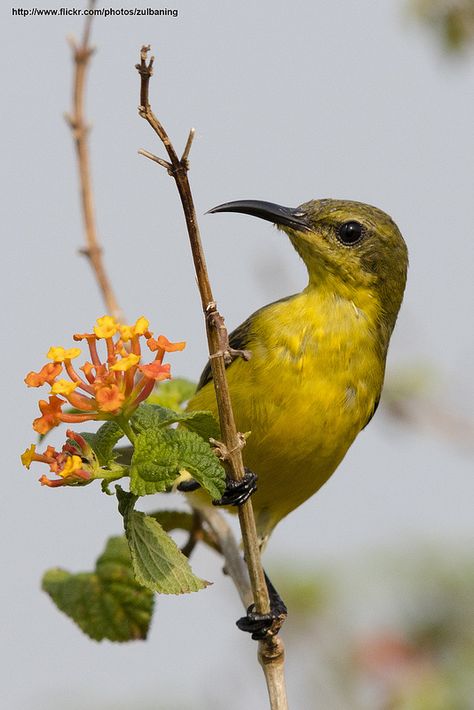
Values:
[(293, 217)]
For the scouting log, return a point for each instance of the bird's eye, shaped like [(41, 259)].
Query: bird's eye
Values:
[(350, 233)]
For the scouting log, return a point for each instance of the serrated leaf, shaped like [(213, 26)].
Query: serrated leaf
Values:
[(151, 416), (158, 562), (172, 393), (155, 462), (202, 423), (108, 603), (103, 441), (161, 454)]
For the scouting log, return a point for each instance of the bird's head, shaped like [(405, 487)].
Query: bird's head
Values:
[(346, 246)]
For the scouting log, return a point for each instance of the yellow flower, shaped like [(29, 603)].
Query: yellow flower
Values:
[(73, 463), (105, 327), (64, 387), (28, 456), (125, 363), (140, 328), (58, 354)]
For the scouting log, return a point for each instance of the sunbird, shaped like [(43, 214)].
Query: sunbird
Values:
[(317, 364)]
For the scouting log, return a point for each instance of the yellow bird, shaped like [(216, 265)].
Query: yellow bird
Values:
[(317, 364)]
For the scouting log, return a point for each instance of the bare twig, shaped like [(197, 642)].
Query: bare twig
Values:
[(229, 548), (76, 120), (271, 651)]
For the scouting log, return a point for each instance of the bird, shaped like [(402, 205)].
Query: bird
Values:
[(317, 358)]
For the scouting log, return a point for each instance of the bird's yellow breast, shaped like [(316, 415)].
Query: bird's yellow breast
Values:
[(310, 386)]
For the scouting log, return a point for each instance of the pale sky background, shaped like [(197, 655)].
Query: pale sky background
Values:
[(291, 101)]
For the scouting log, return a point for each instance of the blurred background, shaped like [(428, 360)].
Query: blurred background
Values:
[(291, 101)]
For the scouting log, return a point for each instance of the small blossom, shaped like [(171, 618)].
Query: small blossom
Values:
[(75, 464), (162, 343), (58, 354), (64, 387), (127, 332), (105, 327), (51, 414), (125, 363), (156, 371), (48, 373), (28, 456), (109, 398), (108, 387)]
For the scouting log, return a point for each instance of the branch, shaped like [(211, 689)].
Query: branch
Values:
[(271, 651), (271, 654), (227, 545), (76, 120)]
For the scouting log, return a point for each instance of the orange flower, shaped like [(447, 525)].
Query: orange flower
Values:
[(48, 373), (109, 398), (162, 343), (75, 464), (110, 386), (156, 371), (51, 414)]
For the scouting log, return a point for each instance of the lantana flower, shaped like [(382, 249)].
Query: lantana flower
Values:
[(76, 463), (107, 388)]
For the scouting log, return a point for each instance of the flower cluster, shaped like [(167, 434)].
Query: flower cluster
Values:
[(106, 389), (75, 464)]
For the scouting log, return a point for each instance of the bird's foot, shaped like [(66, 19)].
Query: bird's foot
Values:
[(262, 626), (237, 492), (225, 350), (231, 354)]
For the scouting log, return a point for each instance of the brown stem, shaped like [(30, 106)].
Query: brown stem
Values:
[(76, 120), (271, 652)]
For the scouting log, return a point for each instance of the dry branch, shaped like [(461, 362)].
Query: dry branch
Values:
[(271, 650), (76, 119)]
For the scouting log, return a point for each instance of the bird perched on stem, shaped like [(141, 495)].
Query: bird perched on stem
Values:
[(317, 364)]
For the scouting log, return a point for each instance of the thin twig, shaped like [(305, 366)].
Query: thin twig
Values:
[(164, 163), (271, 651), (187, 148), (76, 120), (234, 564)]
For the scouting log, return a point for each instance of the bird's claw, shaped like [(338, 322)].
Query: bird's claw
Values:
[(231, 354), (238, 492), (262, 626)]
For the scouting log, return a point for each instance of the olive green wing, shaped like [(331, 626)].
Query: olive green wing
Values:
[(238, 340)]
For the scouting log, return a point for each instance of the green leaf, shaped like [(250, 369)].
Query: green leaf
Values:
[(150, 416), (161, 454), (126, 503), (172, 393), (103, 441), (108, 603), (158, 562), (202, 423)]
